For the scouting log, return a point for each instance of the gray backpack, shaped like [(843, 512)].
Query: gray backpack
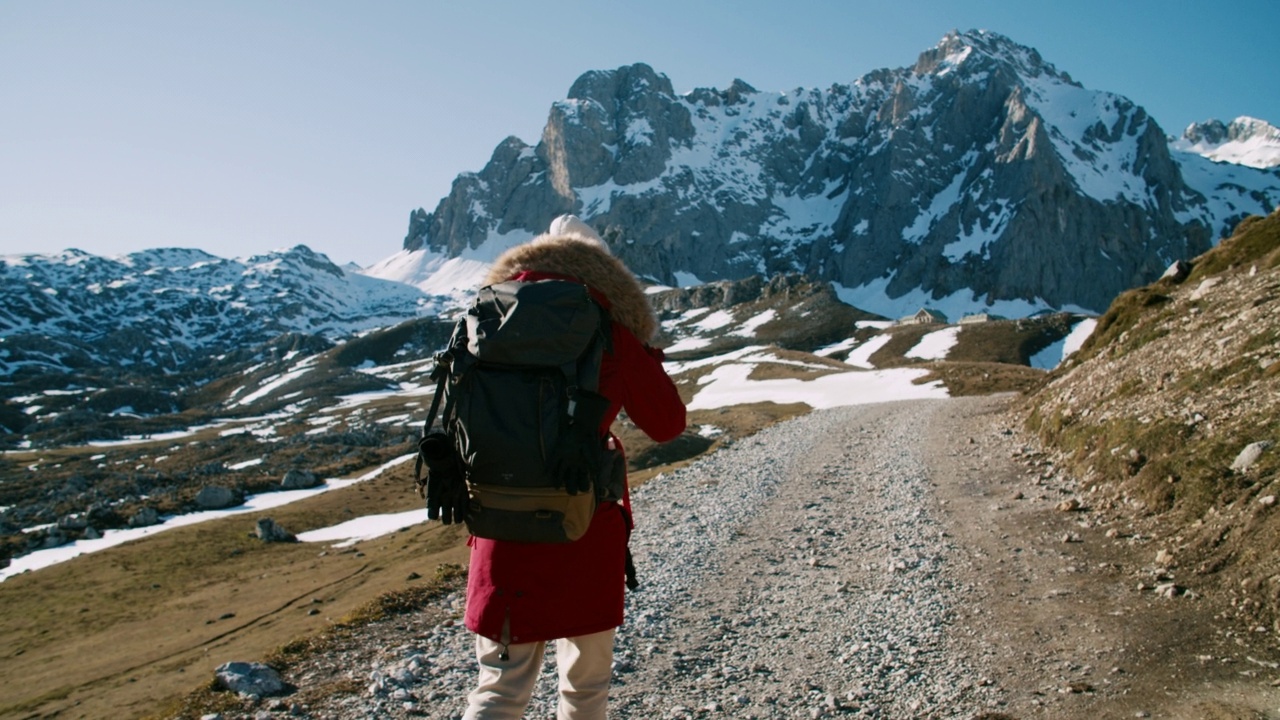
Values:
[(518, 455)]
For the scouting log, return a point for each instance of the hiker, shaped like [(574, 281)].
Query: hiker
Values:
[(522, 595)]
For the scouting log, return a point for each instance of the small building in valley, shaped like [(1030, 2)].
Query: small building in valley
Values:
[(979, 318), (924, 317)]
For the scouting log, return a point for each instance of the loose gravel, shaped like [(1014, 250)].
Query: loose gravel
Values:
[(797, 574)]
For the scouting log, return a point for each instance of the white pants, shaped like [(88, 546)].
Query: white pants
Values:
[(585, 665)]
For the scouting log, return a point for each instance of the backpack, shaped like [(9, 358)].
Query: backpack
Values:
[(519, 455)]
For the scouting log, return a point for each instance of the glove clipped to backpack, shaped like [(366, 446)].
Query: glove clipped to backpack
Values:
[(446, 488), (580, 449)]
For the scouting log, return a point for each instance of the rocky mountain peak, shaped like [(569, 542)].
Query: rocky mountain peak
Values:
[(982, 178), (983, 51), (1242, 128), (609, 86), (1245, 140), (1209, 131)]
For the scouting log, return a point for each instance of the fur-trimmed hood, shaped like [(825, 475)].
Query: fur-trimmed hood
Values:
[(570, 255)]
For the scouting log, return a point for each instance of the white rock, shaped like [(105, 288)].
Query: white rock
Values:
[(1249, 455), (1204, 287)]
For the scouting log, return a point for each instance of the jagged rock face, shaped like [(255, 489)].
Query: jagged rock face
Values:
[(1211, 131), (982, 169)]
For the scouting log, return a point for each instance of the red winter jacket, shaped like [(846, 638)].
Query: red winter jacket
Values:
[(526, 592)]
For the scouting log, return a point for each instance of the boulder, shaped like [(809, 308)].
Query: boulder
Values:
[(1250, 455), (54, 538), (269, 531), (1177, 272), (217, 497), (299, 480), (145, 517), (249, 679), (75, 521), (1204, 287)]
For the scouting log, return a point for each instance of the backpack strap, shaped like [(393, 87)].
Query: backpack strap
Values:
[(435, 403), (445, 361), (418, 480), (584, 374)]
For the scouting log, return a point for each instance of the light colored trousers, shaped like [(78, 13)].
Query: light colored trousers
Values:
[(584, 663)]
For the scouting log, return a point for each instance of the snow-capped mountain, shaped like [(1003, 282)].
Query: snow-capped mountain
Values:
[(163, 307), (1243, 141), (980, 178)]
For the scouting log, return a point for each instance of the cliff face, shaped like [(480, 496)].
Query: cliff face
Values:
[(981, 173)]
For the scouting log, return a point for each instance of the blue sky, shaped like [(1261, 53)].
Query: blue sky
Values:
[(239, 127)]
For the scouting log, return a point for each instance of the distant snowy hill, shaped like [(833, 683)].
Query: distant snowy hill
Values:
[(163, 307), (1243, 141), (980, 178)]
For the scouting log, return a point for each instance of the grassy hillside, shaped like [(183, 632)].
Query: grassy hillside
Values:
[(1178, 378)]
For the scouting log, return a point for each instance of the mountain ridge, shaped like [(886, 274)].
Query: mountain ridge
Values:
[(981, 172), (875, 187), (167, 306)]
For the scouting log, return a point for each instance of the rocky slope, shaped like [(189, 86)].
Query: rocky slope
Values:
[(982, 175), (1170, 414)]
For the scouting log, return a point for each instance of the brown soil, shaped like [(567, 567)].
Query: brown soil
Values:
[(1067, 606)]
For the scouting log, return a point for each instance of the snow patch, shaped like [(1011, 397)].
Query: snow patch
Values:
[(935, 345), (729, 385)]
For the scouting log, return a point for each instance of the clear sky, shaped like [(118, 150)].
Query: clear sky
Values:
[(244, 126)]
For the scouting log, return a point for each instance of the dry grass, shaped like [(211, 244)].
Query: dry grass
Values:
[(978, 378), (796, 365), (209, 698), (1010, 342)]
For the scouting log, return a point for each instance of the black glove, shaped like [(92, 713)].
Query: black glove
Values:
[(446, 494), (579, 451)]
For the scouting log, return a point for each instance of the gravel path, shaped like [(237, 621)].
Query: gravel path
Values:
[(800, 573), (804, 575)]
